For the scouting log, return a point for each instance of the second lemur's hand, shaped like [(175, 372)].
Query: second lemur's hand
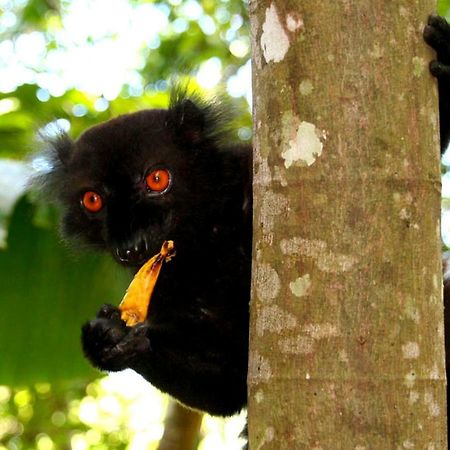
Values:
[(437, 34)]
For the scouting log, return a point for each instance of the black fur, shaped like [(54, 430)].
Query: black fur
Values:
[(194, 342)]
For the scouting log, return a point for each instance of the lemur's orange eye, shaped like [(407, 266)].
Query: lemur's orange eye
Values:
[(92, 201), (158, 180)]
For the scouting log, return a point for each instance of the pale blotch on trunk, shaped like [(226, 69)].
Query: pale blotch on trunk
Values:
[(304, 148), (274, 40), (300, 287)]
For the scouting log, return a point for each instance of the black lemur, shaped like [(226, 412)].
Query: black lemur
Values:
[(131, 183)]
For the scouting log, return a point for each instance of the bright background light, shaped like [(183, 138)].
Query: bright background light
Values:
[(99, 48)]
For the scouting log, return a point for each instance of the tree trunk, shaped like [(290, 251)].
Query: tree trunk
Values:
[(347, 336), (181, 428)]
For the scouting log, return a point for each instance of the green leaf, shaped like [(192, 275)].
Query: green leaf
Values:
[(46, 293), (443, 7)]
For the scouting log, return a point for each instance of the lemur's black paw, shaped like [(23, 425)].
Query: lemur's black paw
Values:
[(437, 34), (439, 70), (108, 311), (109, 344)]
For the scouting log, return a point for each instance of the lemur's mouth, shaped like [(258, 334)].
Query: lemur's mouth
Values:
[(133, 255)]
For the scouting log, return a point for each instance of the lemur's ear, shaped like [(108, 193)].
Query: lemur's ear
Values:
[(188, 121), (61, 149), (50, 177), (195, 120)]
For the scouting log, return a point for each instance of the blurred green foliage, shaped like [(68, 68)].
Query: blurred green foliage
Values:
[(443, 8), (47, 293)]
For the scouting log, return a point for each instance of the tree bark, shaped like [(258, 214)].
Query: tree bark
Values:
[(347, 343), (181, 428)]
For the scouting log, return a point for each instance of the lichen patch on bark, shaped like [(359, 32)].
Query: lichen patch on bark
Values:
[(274, 40), (297, 345), (326, 260), (300, 287), (304, 148), (274, 319), (294, 22), (306, 87), (411, 350), (267, 282), (258, 369)]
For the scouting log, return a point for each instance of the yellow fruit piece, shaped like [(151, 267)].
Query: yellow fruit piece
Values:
[(135, 303)]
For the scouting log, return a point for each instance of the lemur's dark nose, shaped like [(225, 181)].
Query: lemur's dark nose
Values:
[(134, 254)]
